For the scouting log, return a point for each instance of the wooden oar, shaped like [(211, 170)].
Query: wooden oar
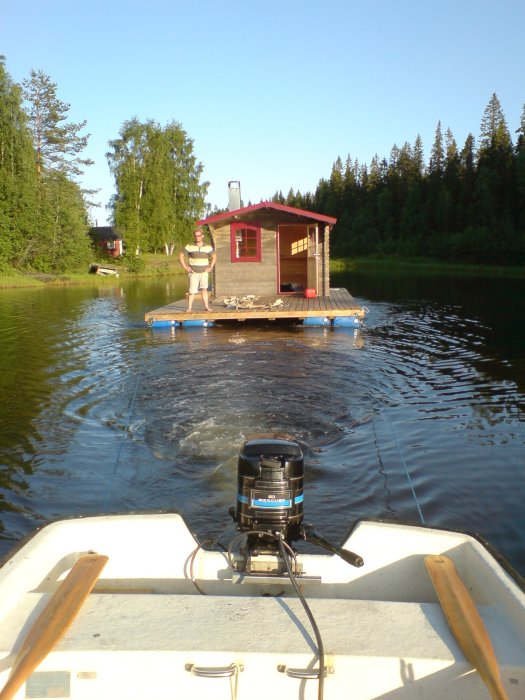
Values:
[(465, 622), (54, 620)]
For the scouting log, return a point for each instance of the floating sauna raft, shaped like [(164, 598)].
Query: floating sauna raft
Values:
[(339, 308)]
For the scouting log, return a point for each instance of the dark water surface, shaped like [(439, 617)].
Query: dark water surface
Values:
[(418, 417)]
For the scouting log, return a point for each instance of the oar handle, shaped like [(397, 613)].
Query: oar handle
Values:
[(465, 622), (54, 620)]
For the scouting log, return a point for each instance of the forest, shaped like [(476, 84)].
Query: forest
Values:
[(467, 204)]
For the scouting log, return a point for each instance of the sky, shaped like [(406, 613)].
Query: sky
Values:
[(271, 92)]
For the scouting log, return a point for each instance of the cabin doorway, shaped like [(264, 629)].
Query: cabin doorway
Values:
[(298, 256)]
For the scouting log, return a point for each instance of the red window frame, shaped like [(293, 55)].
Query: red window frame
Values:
[(239, 249)]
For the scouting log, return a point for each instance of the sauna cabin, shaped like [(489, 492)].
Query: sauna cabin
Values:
[(270, 248)]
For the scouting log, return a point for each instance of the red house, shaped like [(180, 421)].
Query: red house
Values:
[(108, 240)]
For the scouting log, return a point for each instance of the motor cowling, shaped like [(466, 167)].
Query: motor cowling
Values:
[(270, 476)]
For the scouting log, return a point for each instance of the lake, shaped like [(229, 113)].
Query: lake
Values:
[(419, 416)]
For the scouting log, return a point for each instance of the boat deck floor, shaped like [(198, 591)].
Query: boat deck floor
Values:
[(339, 303)]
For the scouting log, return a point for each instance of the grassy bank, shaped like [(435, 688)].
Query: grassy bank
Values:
[(423, 265), (151, 265)]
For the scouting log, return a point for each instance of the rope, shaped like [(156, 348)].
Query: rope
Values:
[(121, 445), (401, 456)]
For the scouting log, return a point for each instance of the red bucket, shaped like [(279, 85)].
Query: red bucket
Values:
[(309, 293)]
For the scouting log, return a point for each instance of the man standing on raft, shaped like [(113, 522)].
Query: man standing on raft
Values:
[(201, 260)]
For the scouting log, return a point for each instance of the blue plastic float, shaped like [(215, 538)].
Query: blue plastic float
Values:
[(316, 321), (163, 324), (190, 323), (347, 322), (197, 323)]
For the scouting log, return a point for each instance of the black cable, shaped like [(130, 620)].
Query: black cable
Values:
[(319, 641), (192, 562)]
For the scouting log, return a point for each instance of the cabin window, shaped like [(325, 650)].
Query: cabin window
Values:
[(245, 243), (299, 246)]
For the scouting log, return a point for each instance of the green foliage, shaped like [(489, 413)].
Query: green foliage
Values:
[(18, 181), (68, 246), (157, 178), (135, 263)]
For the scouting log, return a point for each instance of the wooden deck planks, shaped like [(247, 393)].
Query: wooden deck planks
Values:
[(339, 303)]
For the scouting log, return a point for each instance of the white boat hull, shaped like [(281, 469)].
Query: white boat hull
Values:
[(146, 631)]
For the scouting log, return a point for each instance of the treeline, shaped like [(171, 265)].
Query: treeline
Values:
[(44, 211), (466, 205)]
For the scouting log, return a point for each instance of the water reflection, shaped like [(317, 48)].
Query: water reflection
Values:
[(419, 414)]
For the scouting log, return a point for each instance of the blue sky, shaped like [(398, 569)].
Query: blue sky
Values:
[(272, 91)]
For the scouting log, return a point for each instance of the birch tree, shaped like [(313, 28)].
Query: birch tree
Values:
[(158, 184)]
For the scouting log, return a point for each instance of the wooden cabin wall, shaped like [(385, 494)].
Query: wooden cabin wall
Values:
[(242, 278)]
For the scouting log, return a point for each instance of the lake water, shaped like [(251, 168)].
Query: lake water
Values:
[(419, 416)]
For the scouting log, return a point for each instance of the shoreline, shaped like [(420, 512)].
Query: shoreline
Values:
[(159, 266)]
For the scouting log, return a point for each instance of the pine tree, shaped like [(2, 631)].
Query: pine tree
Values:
[(57, 142), (467, 156), (496, 176), (520, 144), (451, 149), (494, 133), (418, 155), (452, 179), (290, 198), (62, 241), (394, 159), (437, 155), (335, 203)]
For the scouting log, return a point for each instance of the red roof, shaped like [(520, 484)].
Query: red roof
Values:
[(254, 208)]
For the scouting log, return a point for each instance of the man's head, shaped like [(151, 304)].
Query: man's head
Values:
[(198, 234)]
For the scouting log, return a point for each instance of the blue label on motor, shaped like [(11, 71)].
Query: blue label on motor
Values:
[(263, 499), (271, 503), (260, 499)]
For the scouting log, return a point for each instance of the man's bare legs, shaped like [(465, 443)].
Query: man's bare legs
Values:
[(205, 299), (191, 297)]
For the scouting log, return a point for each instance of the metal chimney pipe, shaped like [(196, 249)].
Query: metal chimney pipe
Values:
[(234, 195)]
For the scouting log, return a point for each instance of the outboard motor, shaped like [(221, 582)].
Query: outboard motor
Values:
[(270, 476), (270, 479)]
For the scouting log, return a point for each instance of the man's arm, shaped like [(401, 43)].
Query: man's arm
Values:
[(213, 260), (182, 261)]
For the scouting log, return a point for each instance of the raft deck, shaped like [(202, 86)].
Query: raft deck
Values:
[(340, 303)]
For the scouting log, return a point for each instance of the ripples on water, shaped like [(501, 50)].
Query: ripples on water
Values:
[(417, 416)]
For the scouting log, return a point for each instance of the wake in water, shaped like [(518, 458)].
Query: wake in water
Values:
[(118, 418)]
